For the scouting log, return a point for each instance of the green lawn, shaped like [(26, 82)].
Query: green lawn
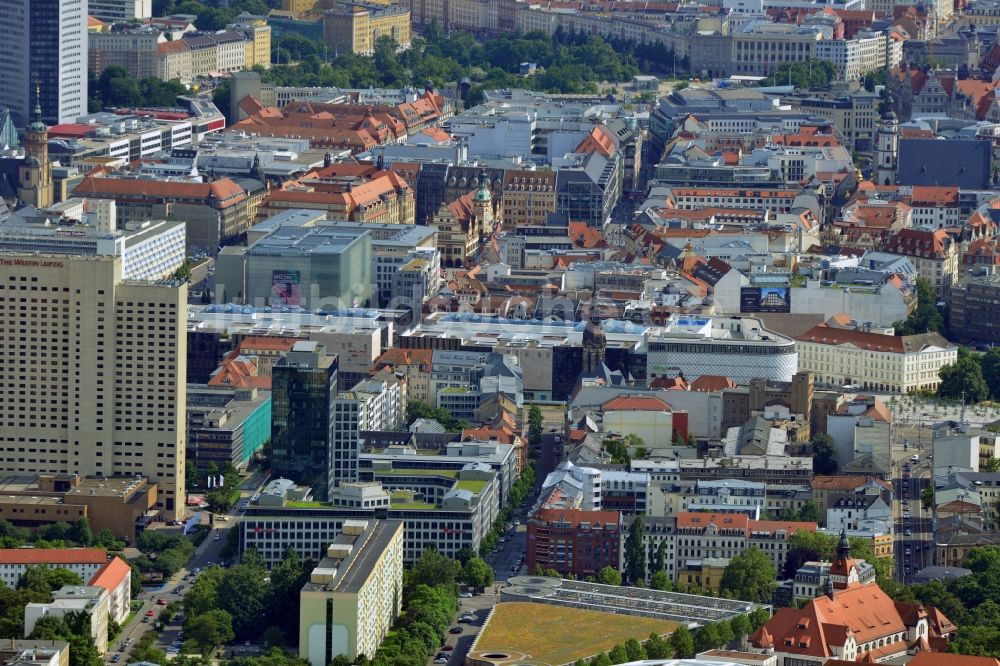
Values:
[(473, 485), (558, 635), (404, 500), (299, 504), (450, 473)]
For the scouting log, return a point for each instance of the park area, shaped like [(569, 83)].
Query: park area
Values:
[(548, 634)]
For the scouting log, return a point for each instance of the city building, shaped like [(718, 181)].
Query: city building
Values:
[(355, 27), (528, 198), (738, 347), (696, 536), (84, 562), (216, 213), (933, 253), (116, 579), (871, 361), (123, 505), (971, 311), (853, 621), (376, 404), (226, 424), (285, 516), (300, 265), (361, 580), (463, 225), (120, 409), (47, 51), (18, 652), (93, 602), (346, 192), (120, 10), (303, 391), (574, 542)]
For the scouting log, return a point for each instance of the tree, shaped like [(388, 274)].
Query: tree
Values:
[(287, 579), (476, 573), (706, 637), (824, 454), (658, 648), (660, 581), (925, 318), (210, 629), (535, 425), (963, 380), (990, 363), (796, 557), (433, 569), (243, 594), (683, 642), (609, 576), (81, 532), (741, 627), (635, 551), (617, 654), (726, 633), (927, 498), (204, 593), (45, 579), (749, 576), (809, 512), (73, 628), (634, 650), (758, 618)]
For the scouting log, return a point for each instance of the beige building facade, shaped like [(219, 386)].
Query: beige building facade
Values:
[(94, 373)]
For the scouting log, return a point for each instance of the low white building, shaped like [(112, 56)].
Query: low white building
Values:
[(91, 600), (85, 562)]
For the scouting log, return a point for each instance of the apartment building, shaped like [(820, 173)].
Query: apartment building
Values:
[(361, 579), (528, 198), (85, 562), (91, 601), (574, 542), (356, 27), (760, 48), (855, 57), (872, 361), (694, 536), (933, 253)]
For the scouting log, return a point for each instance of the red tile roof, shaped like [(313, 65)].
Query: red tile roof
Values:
[(826, 335), (225, 190), (111, 575), (635, 403), (53, 556), (712, 383)]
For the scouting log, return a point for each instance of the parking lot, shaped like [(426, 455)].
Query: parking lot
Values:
[(473, 613)]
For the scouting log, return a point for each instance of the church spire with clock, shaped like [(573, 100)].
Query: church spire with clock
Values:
[(35, 174)]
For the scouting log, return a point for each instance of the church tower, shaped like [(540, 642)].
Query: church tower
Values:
[(35, 174), (594, 345), (887, 146), (844, 571), (483, 205)]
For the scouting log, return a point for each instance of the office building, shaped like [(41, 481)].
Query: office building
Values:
[(227, 425), (377, 404), (973, 313), (92, 601), (105, 396), (120, 10), (303, 392), (315, 266), (354, 594), (46, 47), (123, 505), (441, 509)]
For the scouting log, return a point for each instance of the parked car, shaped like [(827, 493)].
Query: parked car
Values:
[(150, 613), (466, 595), (161, 602), (455, 630)]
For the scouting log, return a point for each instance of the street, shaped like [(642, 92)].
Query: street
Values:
[(913, 528), (206, 554)]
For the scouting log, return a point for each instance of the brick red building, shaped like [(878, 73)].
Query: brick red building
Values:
[(574, 542)]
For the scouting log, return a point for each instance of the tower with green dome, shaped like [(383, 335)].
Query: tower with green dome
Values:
[(35, 174)]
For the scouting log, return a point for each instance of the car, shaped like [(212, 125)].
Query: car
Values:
[(222, 518), (915, 458), (455, 630), (179, 588), (115, 659), (216, 537), (516, 523), (145, 620), (447, 648), (441, 660), (907, 533), (466, 595), (907, 551), (442, 654), (161, 602), (150, 613), (122, 647)]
